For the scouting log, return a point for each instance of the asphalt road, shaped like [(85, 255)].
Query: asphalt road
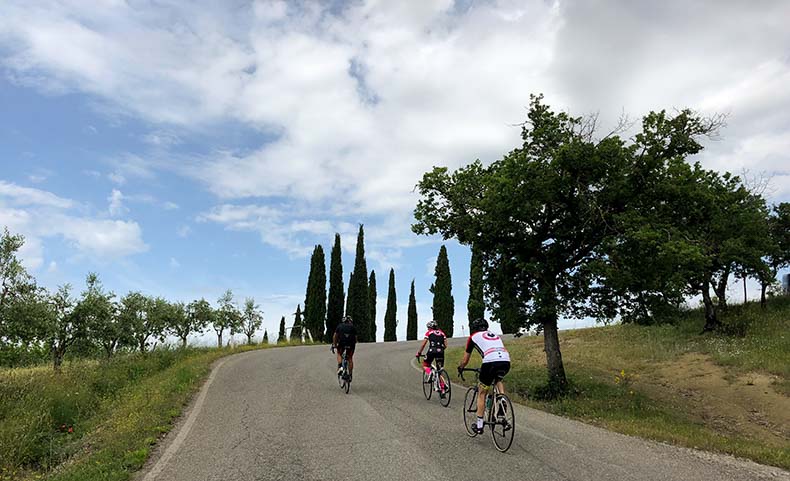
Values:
[(279, 414)]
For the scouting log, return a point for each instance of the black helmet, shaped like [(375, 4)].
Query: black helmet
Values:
[(348, 320), (432, 325), (479, 325)]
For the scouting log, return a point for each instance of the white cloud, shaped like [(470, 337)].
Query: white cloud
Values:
[(53, 267), (174, 263), (116, 206), (184, 231), (170, 206), (39, 215), (18, 195), (357, 101)]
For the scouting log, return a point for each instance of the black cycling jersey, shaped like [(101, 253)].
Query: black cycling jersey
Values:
[(346, 334), (436, 340)]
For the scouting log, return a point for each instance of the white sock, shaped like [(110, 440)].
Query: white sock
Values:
[(479, 422)]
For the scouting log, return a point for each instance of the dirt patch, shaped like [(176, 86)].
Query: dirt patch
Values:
[(746, 404)]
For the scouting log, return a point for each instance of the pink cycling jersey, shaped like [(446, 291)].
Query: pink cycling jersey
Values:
[(489, 345)]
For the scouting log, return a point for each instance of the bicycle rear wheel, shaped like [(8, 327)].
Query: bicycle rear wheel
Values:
[(427, 386), (347, 384), (470, 411), (444, 388), (504, 427)]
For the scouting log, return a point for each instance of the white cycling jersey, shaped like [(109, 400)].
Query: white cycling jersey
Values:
[(489, 345)]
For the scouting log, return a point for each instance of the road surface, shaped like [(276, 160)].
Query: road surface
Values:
[(279, 414)]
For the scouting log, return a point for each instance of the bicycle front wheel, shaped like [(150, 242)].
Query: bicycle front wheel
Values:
[(347, 385), (470, 411), (504, 427), (427, 386), (444, 388)]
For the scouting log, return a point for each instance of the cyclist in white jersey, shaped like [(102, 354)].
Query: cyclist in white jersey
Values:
[(496, 363)]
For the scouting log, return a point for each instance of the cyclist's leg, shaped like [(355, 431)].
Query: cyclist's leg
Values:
[(350, 357), (426, 362)]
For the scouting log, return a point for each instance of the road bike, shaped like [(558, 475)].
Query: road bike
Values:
[(499, 415), (343, 377), (438, 381)]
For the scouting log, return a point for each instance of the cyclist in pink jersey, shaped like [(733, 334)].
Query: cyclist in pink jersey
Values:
[(496, 363), (437, 341)]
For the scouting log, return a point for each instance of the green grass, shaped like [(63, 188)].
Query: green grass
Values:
[(626, 378), (95, 420)]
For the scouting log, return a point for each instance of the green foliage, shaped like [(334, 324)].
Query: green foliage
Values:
[(315, 297), (545, 214), (16, 286), (296, 329), (357, 302), (442, 289), (411, 324), (134, 319), (391, 315), (252, 318), (95, 420), (226, 317), (281, 336), (334, 314), (372, 294), (197, 316), (475, 305)]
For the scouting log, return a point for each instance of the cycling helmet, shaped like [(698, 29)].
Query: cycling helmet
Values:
[(348, 320), (432, 325), (479, 325)]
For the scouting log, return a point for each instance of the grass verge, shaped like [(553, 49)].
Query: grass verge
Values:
[(96, 420), (722, 393)]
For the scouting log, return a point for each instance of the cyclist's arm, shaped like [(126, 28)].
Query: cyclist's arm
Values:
[(334, 339), (465, 360), (424, 342), (445, 343)]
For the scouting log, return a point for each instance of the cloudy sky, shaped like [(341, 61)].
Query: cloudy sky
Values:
[(182, 148)]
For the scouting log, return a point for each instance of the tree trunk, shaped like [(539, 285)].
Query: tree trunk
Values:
[(184, 342), (721, 288), (763, 288), (711, 318), (745, 299), (219, 339), (546, 311), (249, 339), (58, 351)]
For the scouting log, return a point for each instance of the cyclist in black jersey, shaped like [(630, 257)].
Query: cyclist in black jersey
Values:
[(345, 339), (437, 343)]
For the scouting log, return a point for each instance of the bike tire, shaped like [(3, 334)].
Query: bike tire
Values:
[(427, 386), (470, 411), (444, 378), (504, 429), (347, 386)]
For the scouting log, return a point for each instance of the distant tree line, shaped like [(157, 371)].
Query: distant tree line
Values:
[(36, 322), (574, 225)]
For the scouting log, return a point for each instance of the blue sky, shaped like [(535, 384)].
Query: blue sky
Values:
[(183, 149)]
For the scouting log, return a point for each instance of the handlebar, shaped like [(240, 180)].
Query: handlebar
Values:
[(462, 370)]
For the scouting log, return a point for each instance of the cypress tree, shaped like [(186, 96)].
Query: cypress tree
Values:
[(390, 317), (475, 306), (442, 289), (357, 306), (296, 330), (334, 314), (281, 336), (411, 325), (315, 297), (506, 309), (372, 305), (265, 337)]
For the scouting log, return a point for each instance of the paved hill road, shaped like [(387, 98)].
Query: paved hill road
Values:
[(279, 414)]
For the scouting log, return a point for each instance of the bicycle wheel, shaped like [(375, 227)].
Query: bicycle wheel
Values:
[(504, 427), (427, 386), (444, 388), (470, 411), (347, 384)]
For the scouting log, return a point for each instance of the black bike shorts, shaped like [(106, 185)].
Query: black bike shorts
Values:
[(349, 351), (491, 372), (430, 356)]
